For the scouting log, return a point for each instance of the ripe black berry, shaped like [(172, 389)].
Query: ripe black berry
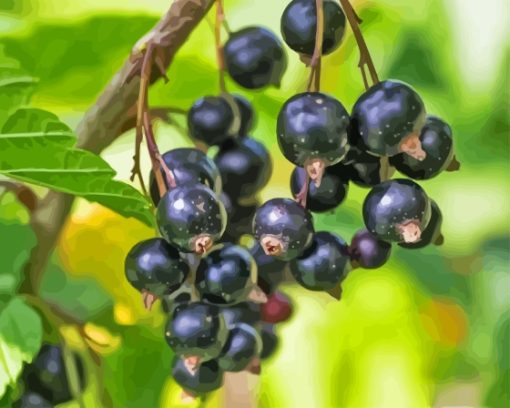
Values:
[(210, 120), (324, 264), (206, 378), (436, 141), (191, 217), (245, 312), (32, 400), (329, 195), (432, 233), (312, 132), (226, 275), (397, 210), (368, 251), (270, 270), (246, 113), (254, 57), (388, 118), (245, 166), (299, 25), (243, 344), (240, 220), (269, 341), (47, 376), (277, 309), (196, 330), (362, 168), (283, 228), (189, 166)]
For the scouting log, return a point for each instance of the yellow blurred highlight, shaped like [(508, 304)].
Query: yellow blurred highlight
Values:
[(123, 314), (100, 339)]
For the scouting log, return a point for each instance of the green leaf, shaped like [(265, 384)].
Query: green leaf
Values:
[(35, 147), (20, 340)]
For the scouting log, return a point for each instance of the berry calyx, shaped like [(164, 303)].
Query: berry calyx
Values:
[(367, 251), (226, 275), (299, 26), (210, 120), (397, 210), (436, 141), (283, 228), (206, 378), (191, 218), (243, 344), (255, 58), (277, 309), (154, 267), (432, 233), (197, 332), (387, 120), (324, 264), (312, 132)]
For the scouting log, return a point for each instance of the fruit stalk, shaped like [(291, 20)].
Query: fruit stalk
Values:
[(220, 18), (315, 62), (365, 59)]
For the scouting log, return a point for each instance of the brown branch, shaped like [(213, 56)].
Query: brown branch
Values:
[(104, 122)]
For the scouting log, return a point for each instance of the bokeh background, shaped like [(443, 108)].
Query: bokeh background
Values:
[(430, 329)]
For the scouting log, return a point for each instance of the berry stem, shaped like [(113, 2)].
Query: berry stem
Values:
[(454, 165), (384, 169), (314, 82), (365, 58), (220, 18), (303, 193)]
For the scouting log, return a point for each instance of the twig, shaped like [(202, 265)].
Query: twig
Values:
[(365, 58), (220, 18)]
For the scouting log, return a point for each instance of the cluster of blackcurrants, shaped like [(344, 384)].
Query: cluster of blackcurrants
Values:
[(222, 300), (45, 380)]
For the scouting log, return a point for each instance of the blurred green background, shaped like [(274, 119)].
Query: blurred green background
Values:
[(430, 329)]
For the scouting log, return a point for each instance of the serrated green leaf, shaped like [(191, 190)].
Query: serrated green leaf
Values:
[(35, 148), (20, 340)]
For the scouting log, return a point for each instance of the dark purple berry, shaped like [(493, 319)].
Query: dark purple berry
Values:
[(246, 113), (245, 166), (155, 266), (330, 193), (362, 168), (324, 264), (243, 344), (191, 217), (299, 25), (368, 251), (270, 270), (312, 132), (269, 341), (255, 58), (436, 141), (210, 120), (277, 309), (196, 329), (189, 166), (387, 120), (240, 220), (226, 275), (245, 312), (207, 377), (397, 210), (432, 232), (32, 400), (283, 228)]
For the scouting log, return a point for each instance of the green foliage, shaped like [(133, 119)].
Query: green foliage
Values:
[(20, 340)]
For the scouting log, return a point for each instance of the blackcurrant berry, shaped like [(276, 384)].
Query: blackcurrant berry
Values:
[(432, 232), (210, 120), (397, 210), (245, 166), (246, 113), (387, 120), (255, 58), (189, 166), (32, 400), (312, 132), (277, 309), (243, 344), (154, 267), (269, 341), (240, 220), (362, 168), (245, 312), (196, 330), (270, 270), (324, 264), (299, 25), (283, 228), (436, 141), (329, 195), (226, 275), (191, 218), (368, 251), (46, 375), (207, 377)]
